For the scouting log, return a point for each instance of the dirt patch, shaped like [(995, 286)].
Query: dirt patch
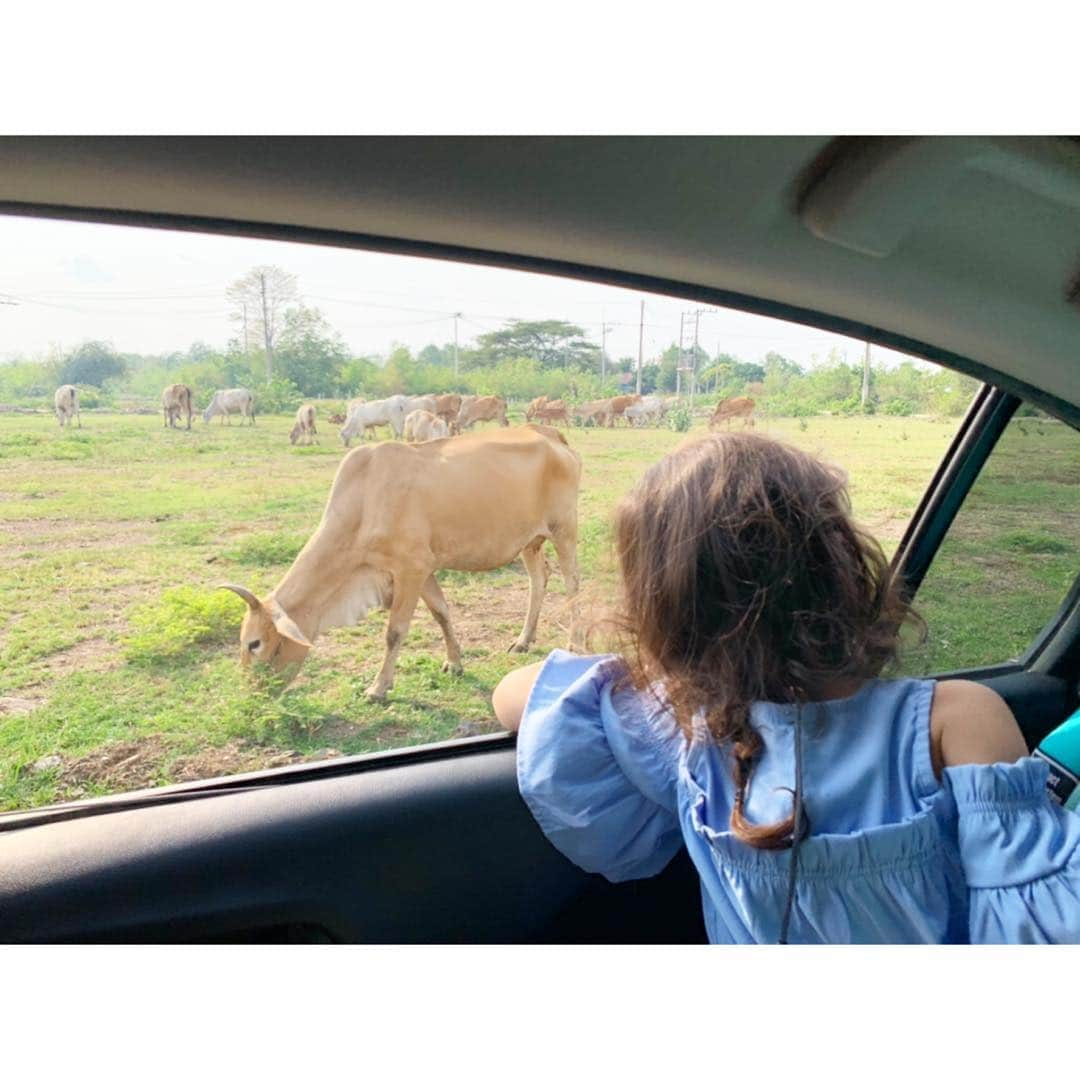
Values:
[(18, 706), (123, 765), (59, 534), (92, 654)]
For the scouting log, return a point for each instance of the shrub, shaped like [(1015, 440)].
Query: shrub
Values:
[(93, 397), (269, 549), (899, 407), (278, 396), (182, 618), (679, 418)]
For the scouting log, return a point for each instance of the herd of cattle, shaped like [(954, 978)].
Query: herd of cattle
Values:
[(419, 418)]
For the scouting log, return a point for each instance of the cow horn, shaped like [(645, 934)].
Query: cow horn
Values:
[(245, 594)]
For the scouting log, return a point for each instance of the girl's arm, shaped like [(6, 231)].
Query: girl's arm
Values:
[(971, 725), (512, 694)]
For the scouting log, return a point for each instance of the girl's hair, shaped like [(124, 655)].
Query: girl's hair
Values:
[(745, 579)]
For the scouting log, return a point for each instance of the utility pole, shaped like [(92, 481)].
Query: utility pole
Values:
[(679, 362), (693, 365), (267, 331), (866, 377), (244, 308), (603, 348), (457, 315), (640, 345)]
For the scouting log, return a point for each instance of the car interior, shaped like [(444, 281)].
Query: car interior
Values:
[(961, 250)]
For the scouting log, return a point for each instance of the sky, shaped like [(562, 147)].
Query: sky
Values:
[(153, 291)]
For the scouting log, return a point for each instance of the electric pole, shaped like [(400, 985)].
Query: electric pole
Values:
[(866, 377), (693, 363), (679, 362), (640, 345), (457, 315), (603, 348)]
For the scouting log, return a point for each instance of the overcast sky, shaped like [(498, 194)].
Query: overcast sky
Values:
[(150, 291)]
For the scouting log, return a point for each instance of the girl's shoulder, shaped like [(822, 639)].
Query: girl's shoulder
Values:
[(970, 724)]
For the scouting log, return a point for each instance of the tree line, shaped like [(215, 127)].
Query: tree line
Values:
[(287, 351)]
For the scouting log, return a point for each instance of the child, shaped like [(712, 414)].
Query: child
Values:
[(818, 802)]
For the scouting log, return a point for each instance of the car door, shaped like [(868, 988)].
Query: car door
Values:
[(433, 844)]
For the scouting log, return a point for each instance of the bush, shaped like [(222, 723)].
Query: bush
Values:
[(93, 397), (266, 550), (183, 618), (899, 407), (679, 418), (278, 396)]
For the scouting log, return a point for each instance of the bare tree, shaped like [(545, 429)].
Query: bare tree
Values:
[(258, 300)]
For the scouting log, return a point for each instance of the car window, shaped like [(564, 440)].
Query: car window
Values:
[(1011, 555), (152, 448)]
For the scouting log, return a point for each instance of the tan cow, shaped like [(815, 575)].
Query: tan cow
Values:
[(66, 403), (397, 514), (447, 407), (550, 411), (482, 408), (733, 409), (535, 404), (176, 402), (599, 412), (304, 428), (620, 404), (423, 426)]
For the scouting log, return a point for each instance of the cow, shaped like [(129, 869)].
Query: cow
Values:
[(226, 402), (732, 409), (399, 513), (650, 409), (547, 412), (447, 407), (535, 404), (481, 408), (367, 414), (422, 426), (599, 412), (423, 401), (620, 404), (176, 401), (66, 403), (304, 428)]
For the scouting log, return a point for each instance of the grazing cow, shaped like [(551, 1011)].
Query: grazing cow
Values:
[(599, 412), (535, 404), (447, 407), (176, 401), (482, 408), (620, 404), (304, 428), (226, 402), (397, 514), (422, 401), (732, 409), (648, 410), (549, 411), (66, 403), (368, 414), (423, 426)]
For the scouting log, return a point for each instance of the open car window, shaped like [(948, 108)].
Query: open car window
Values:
[(1011, 555), (125, 504)]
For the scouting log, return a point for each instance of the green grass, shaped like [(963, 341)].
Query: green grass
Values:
[(114, 636)]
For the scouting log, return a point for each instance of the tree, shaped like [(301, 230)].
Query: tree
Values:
[(258, 300), (92, 363), (310, 353), (552, 343)]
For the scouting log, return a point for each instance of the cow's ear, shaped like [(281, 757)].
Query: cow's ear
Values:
[(285, 626)]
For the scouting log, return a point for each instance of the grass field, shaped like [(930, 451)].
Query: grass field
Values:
[(118, 657)]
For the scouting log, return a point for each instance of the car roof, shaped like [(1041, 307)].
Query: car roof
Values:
[(965, 249)]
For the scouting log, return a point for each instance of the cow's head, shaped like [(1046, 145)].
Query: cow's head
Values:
[(269, 636), (295, 433)]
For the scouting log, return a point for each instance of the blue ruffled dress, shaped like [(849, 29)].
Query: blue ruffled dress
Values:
[(894, 855)]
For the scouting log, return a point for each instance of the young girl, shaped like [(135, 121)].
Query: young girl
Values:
[(818, 802)]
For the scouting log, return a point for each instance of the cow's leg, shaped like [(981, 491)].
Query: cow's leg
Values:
[(407, 590), (432, 595), (78, 418), (565, 541), (533, 557)]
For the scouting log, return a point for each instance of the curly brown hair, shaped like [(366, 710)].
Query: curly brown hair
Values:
[(745, 579)]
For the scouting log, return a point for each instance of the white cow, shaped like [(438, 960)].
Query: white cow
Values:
[(66, 403), (649, 410), (226, 402), (367, 414), (430, 402), (423, 426)]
